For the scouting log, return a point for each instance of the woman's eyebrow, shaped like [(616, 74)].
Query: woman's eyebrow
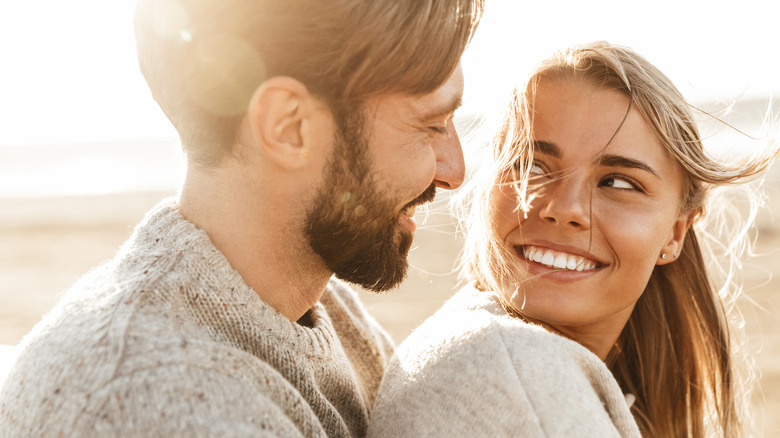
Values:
[(610, 160), (547, 148)]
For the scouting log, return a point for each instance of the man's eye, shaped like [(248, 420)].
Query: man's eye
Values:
[(439, 129)]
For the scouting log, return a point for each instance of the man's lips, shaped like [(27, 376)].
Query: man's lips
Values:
[(427, 196), (557, 259)]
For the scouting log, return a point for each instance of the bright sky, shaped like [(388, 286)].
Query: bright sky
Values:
[(69, 72), (710, 49)]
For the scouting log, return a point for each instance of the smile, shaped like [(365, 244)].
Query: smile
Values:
[(557, 259)]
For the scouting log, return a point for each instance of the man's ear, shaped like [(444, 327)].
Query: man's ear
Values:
[(674, 244), (278, 116)]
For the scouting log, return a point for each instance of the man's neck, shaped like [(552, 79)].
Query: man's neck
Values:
[(260, 233)]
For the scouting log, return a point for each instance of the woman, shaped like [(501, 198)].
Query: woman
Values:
[(590, 311)]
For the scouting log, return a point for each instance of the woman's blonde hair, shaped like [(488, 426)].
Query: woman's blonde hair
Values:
[(677, 352)]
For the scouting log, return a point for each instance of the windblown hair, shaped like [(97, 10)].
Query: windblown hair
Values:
[(203, 59), (678, 352)]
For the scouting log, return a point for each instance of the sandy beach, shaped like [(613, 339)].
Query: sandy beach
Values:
[(47, 243)]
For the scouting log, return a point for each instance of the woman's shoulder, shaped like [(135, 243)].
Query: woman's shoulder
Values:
[(473, 369), (472, 333), (474, 321)]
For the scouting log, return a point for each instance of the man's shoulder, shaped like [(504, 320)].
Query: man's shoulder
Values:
[(100, 327), (115, 354), (184, 387)]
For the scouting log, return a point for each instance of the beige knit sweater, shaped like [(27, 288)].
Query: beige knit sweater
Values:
[(167, 340), (473, 371)]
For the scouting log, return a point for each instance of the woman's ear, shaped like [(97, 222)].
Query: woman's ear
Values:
[(278, 115), (674, 244)]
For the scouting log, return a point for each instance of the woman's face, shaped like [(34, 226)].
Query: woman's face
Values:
[(587, 248)]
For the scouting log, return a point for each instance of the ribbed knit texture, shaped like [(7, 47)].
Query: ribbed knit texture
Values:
[(473, 371), (167, 340)]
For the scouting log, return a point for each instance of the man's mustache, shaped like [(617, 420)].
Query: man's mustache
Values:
[(427, 196)]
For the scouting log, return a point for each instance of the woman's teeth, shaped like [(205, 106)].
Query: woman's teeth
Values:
[(558, 260)]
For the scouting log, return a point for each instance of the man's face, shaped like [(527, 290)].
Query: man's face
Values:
[(384, 164)]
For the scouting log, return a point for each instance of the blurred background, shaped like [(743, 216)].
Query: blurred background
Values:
[(85, 151)]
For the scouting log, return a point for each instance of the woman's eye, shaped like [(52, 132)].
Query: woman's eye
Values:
[(536, 170), (618, 183)]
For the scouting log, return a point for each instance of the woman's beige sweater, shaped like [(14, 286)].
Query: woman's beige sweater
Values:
[(473, 371), (167, 340)]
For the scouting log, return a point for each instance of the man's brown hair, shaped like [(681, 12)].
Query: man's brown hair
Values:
[(203, 59)]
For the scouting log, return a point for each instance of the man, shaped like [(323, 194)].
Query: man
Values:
[(312, 131)]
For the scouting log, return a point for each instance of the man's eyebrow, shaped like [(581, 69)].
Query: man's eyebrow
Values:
[(610, 160), (446, 110)]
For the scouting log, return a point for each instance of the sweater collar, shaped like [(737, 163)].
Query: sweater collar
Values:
[(214, 291)]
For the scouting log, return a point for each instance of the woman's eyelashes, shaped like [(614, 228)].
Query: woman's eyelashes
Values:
[(537, 168), (620, 182), (616, 181)]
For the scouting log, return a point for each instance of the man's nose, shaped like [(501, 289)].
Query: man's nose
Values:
[(450, 166)]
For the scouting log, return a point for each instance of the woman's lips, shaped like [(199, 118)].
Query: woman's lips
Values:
[(557, 259)]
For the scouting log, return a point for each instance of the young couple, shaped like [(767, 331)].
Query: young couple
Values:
[(312, 131)]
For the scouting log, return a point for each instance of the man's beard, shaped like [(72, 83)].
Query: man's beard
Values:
[(353, 227)]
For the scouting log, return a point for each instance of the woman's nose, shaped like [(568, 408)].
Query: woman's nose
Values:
[(567, 202)]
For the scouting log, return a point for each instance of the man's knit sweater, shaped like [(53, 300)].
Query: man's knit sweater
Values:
[(168, 340), (471, 370)]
